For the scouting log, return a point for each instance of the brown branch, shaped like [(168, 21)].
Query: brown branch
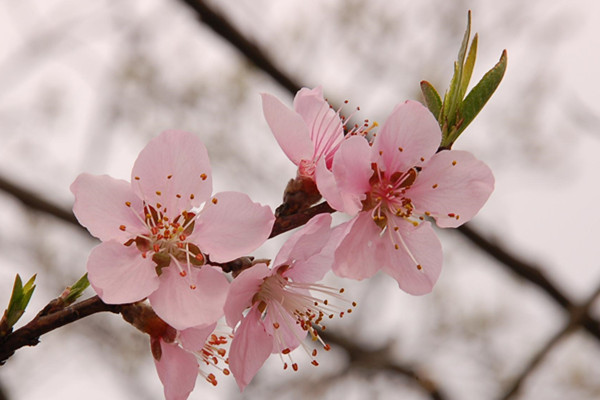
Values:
[(44, 322), (289, 222)]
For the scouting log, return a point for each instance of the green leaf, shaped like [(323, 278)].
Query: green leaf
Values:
[(450, 104), (463, 47), (76, 290), (432, 99), (19, 300), (481, 93), (468, 67), (455, 95)]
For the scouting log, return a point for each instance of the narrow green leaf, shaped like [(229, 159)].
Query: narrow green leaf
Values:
[(77, 290), (481, 93), (27, 292), (463, 47), (468, 67), (432, 99), (451, 103), (18, 301)]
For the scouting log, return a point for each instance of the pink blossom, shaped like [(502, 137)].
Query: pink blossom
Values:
[(282, 306), (391, 187), (154, 242), (313, 131), (179, 361)]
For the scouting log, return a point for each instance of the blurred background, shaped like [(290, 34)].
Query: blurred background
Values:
[(85, 85)]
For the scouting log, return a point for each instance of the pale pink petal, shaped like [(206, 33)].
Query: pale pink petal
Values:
[(356, 255), (302, 100), (306, 251), (289, 129), (174, 171), (177, 370), (289, 333), (193, 339), (410, 134), (324, 124), (344, 188), (231, 225), (452, 186), (100, 206), (192, 300), (306, 242), (250, 348), (242, 290), (416, 246), (119, 273)]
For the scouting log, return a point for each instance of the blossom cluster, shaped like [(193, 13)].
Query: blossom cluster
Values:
[(165, 237)]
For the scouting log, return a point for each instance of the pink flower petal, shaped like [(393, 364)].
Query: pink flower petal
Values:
[(194, 339), (100, 206), (417, 246), (306, 251), (409, 134), (352, 171), (177, 370), (119, 274), (289, 129), (324, 124), (231, 225), (174, 171), (306, 242), (250, 348), (452, 186), (356, 256), (242, 290), (196, 299)]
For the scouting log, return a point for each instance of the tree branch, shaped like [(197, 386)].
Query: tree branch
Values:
[(44, 322)]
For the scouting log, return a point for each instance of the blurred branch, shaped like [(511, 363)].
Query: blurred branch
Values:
[(250, 50), (578, 315), (37, 203), (49, 319), (3, 395), (533, 275), (381, 360)]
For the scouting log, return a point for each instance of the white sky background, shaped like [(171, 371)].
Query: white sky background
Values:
[(84, 85)]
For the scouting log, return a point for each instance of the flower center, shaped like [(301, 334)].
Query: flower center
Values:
[(283, 298), (387, 197), (166, 240)]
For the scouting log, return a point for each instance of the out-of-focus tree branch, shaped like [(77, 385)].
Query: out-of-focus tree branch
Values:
[(38, 203), (222, 27), (577, 316), (381, 360)]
